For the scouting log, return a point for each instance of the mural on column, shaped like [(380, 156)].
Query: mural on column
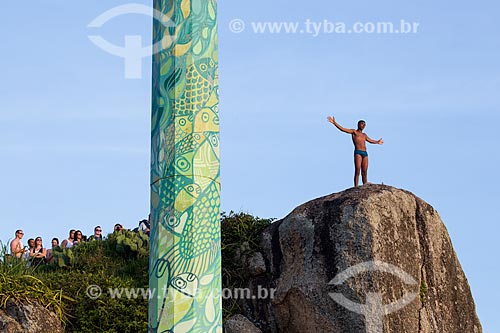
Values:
[(185, 170)]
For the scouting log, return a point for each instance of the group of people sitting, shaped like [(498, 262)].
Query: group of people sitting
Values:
[(35, 254)]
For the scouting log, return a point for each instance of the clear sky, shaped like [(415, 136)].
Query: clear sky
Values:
[(74, 133)]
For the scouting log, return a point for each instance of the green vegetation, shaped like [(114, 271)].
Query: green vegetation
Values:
[(120, 261), (240, 238), (19, 283), (423, 292)]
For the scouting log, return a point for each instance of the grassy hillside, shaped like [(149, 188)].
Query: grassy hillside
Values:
[(120, 261)]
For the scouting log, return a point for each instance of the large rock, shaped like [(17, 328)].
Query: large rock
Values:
[(403, 254), (28, 318)]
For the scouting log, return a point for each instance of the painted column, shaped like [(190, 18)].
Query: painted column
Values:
[(185, 170)]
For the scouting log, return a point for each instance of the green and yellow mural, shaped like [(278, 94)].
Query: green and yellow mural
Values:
[(185, 170)]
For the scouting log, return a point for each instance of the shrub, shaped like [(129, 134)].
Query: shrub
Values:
[(241, 235)]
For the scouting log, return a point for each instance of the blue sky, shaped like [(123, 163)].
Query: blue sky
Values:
[(74, 133)]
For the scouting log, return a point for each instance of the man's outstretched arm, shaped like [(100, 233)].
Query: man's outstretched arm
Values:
[(378, 142), (346, 130)]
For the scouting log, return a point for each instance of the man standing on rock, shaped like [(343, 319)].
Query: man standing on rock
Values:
[(360, 155)]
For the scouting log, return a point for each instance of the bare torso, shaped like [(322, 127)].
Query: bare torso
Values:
[(359, 140), (16, 248)]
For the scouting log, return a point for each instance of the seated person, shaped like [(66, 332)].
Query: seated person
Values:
[(78, 237), (97, 234), (50, 255), (144, 227), (31, 245), (38, 253), (118, 227), (68, 242)]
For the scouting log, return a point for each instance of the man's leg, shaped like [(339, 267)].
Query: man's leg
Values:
[(364, 169), (357, 168)]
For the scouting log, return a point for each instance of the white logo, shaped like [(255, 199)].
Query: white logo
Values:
[(237, 26), (132, 51), (373, 310)]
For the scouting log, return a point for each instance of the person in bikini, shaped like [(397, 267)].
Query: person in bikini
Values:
[(360, 155)]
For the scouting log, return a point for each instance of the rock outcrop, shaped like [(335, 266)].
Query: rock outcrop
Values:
[(369, 259), (28, 318)]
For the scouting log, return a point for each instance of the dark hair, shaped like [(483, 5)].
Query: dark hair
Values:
[(98, 226), (76, 233), (361, 122), (31, 239), (18, 231), (55, 239), (72, 230)]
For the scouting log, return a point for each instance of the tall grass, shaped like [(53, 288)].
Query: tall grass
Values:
[(19, 284)]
